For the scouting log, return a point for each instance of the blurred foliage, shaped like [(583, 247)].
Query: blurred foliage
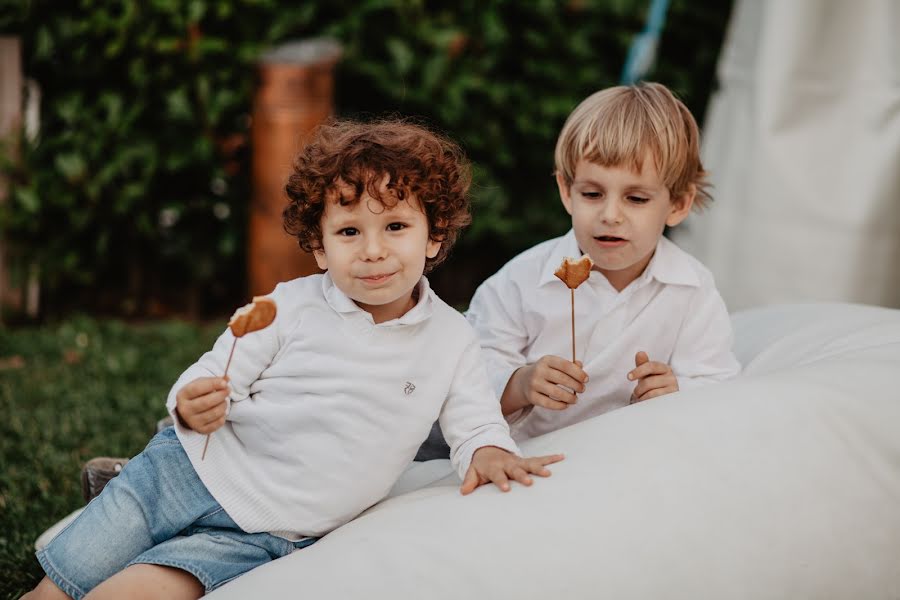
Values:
[(135, 190)]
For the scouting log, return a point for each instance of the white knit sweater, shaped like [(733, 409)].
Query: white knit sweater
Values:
[(328, 408)]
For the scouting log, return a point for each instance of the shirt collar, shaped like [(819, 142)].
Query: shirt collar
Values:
[(341, 303), (669, 264)]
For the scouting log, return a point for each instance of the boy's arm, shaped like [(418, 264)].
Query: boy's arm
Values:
[(480, 446), (496, 315), (470, 418), (253, 353), (703, 351)]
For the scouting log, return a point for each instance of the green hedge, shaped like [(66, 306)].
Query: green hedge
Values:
[(134, 195)]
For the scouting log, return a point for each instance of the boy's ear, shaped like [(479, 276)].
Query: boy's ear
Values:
[(432, 248), (434, 245), (681, 206), (320, 259), (564, 190)]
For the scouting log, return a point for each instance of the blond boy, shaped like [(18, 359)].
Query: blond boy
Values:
[(649, 320)]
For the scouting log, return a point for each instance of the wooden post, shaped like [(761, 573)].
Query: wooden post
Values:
[(294, 95), (10, 124)]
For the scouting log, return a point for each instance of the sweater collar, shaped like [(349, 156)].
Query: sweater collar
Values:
[(343, 304)]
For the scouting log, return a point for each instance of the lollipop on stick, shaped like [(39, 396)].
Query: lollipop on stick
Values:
[(249, 318), (573, 273)]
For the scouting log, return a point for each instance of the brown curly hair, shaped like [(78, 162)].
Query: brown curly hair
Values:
[(348, 155)]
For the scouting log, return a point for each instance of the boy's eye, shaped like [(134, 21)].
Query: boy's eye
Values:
[(638, 199), (348, 231), (396, 226), (591, 194)]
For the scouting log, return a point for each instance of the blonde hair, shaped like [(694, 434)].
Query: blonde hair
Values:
[(619, 125)]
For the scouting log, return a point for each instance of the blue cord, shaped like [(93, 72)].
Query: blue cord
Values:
[(642, 53)]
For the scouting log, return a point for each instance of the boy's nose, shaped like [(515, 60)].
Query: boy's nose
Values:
[(374, 248), (612, 213)]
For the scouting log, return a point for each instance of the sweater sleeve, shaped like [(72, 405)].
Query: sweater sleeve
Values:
[(471, 418), (253, 353)]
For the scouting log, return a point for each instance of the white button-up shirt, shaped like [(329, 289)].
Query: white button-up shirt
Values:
[(672, 311)]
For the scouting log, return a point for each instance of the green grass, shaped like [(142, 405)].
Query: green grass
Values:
[(69, 392)]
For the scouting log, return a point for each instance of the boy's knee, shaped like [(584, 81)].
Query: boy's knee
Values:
[(146, 582), (46, 590)]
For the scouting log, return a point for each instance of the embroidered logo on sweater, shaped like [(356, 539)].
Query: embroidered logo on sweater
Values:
[(409, 388)]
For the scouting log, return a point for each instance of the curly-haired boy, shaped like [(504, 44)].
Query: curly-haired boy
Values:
[(323, 410)]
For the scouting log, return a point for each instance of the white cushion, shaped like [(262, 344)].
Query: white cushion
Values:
[(783, 483)]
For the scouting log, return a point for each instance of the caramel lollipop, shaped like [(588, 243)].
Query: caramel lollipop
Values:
[(249, 318), (573, 273)]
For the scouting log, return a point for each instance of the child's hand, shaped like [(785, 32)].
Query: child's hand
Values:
[(654, 378), (490, 463), (201, 404), (539, 383)]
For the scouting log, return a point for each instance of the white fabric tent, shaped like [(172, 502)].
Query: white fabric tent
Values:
[(803, 142)]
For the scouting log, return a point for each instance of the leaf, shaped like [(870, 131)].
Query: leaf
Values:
[(72, 166), (401, 55), (178, 106), (28, 199)]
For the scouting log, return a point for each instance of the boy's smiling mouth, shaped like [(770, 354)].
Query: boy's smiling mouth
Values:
[(376, 278)]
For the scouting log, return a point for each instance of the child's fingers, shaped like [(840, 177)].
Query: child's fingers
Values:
[(555, 392), (201, 387), (563, 378), (518, 473), (539, 398), (566, 368), (205, 403), (640, 358), (648, 368), (498, 476), (213, 414), (210, 427), (653, 392), (652, 382), (470, 482), (537, 465), (549, 459)]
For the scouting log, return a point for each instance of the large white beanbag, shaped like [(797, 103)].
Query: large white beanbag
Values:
[(783, 483)]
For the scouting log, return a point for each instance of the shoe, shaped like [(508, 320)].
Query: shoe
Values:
[(97, 472)]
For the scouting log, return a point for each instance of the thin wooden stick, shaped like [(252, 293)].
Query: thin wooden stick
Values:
[(573, 323), (225, 376)]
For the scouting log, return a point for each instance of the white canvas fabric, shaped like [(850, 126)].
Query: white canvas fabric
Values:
[(802, 140), (782, 483)]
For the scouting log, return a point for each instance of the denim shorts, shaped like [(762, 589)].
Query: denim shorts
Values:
[(156, 511)]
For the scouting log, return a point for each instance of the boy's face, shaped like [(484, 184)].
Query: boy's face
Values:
[(618, 216), (376, 254)]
